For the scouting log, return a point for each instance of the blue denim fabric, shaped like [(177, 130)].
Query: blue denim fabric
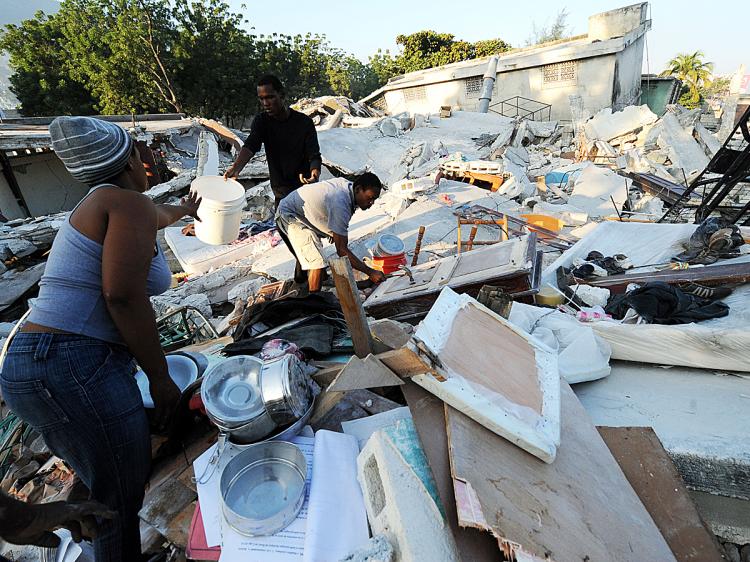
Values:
[(80, 394)]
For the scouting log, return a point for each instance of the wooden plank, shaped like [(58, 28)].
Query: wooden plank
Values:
[(168, 503), (325, 376), (655, 479), (428, 414), (494, 372), (346, 290), (580, 507), (730, 274), (369, 372), (404, 362)]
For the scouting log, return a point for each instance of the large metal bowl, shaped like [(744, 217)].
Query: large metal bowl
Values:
[(263, 488)]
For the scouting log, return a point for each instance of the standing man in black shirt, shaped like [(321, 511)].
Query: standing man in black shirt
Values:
[(290, 139)]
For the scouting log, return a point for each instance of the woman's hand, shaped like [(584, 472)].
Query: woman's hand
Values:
[(165, 394), (190, 204)]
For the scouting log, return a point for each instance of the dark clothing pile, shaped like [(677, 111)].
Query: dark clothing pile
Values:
[(314, 322), (714, 239), (291, 149), (607, 265), (660, 303)]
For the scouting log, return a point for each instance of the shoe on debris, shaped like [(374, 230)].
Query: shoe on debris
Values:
[(711, 293)]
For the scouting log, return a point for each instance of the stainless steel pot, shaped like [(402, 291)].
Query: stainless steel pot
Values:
[(286, 389), (263, 488), (249, 399), (231, 395)]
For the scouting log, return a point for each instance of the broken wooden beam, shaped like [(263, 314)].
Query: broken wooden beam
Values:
[(346, 290)]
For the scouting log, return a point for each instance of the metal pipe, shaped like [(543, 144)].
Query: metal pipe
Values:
[(472, 235), (489, 82)]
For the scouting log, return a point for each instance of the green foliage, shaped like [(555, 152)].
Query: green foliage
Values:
[(718, 87), (43, 80), (192, 56), (694, 74), (557, 30), (428, 49)]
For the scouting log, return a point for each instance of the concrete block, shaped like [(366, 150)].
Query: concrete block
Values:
[(377, 549), (684, 151), (606, 125), (401, 497), (20, 247)]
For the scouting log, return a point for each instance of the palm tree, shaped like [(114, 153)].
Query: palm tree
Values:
[(693, 72)]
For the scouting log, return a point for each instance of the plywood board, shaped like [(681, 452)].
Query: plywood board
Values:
[(369, 372), (655, 479), (580, 507), (492, 371), (428, 414)]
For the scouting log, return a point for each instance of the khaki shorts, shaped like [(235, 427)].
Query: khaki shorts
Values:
[(306, 243)]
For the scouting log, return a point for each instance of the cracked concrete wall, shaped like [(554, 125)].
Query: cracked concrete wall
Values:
[(46, 185)]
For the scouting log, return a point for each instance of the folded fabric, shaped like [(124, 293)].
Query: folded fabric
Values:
[(659, 303)]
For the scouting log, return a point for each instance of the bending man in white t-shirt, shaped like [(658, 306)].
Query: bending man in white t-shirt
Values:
[(324, 209)]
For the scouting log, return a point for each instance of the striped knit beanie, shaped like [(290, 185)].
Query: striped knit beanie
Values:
[(91, 149)]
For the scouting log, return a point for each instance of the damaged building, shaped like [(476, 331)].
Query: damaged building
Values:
[(554, 369), (603, 67)]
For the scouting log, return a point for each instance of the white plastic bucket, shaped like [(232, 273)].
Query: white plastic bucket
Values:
[(220, 210)]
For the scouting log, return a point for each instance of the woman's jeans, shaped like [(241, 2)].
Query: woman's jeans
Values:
[(80, 394)]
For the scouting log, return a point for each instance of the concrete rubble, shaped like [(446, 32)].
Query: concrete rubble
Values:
[(435, 168)]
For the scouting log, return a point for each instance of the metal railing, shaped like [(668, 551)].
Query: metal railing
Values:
[(524, 108)]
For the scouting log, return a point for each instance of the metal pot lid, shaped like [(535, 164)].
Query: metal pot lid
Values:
[(231, 390)]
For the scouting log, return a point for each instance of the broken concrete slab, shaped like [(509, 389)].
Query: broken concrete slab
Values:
[(580, 507), (14, 283), (377, 549), (606, 125), (17, 247), (353, 151), (365, 373), (707, 140), (492, 371), (400, 496), (166, 303), (594, 190), (697, 414), (684, 151)]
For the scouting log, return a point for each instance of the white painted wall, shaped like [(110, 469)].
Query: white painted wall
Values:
[(627, 76), (617, 23), (594, 82)]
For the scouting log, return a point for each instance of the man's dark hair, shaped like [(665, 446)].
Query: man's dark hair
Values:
[(273, 81), (368, 181)]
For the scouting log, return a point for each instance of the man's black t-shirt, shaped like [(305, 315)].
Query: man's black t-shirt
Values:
[(291, 148)]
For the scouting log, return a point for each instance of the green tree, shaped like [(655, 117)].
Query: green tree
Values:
[(557, 30), (694, 74), (43, 78), (121, 50), (214, 61), (428, 49)]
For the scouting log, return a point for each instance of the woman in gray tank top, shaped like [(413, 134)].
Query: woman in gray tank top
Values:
[(69, 370)]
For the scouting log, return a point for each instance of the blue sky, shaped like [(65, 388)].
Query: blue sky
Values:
[(362, 27)]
